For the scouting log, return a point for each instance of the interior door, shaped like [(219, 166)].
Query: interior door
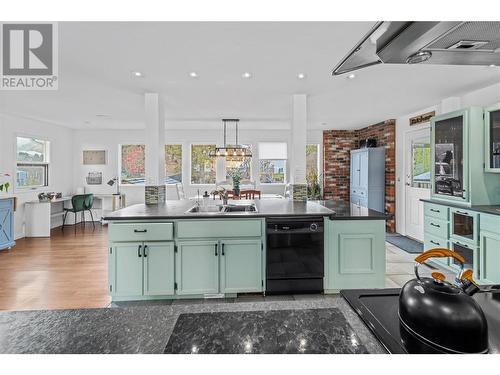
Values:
[(363, 170), (418, 181)]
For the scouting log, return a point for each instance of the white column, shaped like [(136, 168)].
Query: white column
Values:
[(155, 140), (297, 154)]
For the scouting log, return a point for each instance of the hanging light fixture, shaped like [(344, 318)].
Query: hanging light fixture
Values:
[(231, 152)]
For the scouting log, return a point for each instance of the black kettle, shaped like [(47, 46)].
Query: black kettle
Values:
[(437, 316)]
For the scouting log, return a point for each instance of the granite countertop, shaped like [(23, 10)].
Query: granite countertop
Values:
[(335, 210), (147, 328), (487, 209)]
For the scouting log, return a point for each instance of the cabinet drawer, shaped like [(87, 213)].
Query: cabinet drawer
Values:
[(436, 227), (119, 232), (436, 211), (432, 242), (219, 228), (490, 223)]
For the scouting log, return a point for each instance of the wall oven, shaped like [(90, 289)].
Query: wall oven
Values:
[(295, 255), (464, 225)]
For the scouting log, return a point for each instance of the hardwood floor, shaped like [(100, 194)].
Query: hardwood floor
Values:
[(67, 270)]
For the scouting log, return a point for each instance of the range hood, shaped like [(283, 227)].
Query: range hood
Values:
[(445, 43)]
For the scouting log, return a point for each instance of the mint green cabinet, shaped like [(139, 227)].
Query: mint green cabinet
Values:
[(492, 139), (127, 269), (354, 254), (159, 265), (141, 269), (241, 266), (197, 267), (489, 257)]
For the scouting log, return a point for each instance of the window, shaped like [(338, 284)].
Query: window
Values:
[(241, 164), (32, 157), (312, 159), (272, 162), (133, 170), (421, 164), (173, 164), (202, 164)]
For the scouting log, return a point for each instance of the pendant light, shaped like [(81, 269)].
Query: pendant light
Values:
[(231, 152)]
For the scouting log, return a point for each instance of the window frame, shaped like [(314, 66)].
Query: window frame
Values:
[(182, 163), (119, 171), (190, 166), (45, 163), (318, 153), (250, 171), (285, 174)]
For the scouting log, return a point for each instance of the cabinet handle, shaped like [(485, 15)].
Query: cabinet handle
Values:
[(216, 250), (223, 254), (461, 244), (145, 251), (139, 251), (462, 213), (436, 225), (434, 242), (434, 210), (140, 231)]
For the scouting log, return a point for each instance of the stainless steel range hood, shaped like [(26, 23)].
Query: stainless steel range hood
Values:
[(448, 43)]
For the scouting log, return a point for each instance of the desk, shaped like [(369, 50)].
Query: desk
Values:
[(41, 217)]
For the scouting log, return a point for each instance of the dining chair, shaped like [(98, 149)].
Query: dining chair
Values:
[(80, 203)]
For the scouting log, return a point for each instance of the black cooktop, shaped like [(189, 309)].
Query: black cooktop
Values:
[(378, 308)]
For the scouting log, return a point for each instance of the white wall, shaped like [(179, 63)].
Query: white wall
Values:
[(483, 97), (61, 159)]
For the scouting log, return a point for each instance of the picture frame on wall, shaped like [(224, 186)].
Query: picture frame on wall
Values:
[(94, 157)]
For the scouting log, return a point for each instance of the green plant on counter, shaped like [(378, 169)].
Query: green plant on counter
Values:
[(5, 185), (236, 180), (313, 185)]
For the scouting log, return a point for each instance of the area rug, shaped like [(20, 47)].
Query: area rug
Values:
[(265, 332), (405, 243)]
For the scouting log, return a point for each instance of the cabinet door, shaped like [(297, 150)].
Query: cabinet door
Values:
[(127, 265), (241, 266), (449, 156), (159, 276), (363, 170), (6, 224), (492, 139), (355, 170), (197, 267), (489, 258)]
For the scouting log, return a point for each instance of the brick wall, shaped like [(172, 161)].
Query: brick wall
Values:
[(337, 145)]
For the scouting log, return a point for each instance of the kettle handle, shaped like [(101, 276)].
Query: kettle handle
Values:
[(439, 253)]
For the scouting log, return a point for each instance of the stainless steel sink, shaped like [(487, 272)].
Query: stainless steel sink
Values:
[(228, 208)]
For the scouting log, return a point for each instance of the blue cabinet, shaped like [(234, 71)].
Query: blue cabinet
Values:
[(368, 178), (7, 223)]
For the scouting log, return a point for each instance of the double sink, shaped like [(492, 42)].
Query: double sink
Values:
[(223, 208)]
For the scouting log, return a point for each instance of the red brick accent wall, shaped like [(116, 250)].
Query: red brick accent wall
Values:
[(337, 145)]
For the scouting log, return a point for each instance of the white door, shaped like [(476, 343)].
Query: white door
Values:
[(417, 184)]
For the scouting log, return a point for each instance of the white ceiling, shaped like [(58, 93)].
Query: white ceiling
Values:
[(95, 61)]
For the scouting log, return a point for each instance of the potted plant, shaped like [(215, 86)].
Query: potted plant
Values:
[(313, 185), (236, 182), (4, 186)]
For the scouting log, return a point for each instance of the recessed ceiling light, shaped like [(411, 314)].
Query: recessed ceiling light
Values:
[(492, 66), (301, 76), (324, 124), (137, 74), (246, 75), (351, 76), (102, 115), (193, 75)]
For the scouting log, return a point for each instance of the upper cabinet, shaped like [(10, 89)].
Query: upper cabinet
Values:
[(457, 156), (492, 139)]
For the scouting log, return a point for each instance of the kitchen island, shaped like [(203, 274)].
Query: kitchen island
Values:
[(184, 250)]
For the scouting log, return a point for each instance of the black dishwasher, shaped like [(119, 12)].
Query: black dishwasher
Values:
[(295, 255)]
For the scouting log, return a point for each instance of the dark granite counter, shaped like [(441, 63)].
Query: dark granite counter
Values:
[(486, 209), (336, 210), (148, 328)]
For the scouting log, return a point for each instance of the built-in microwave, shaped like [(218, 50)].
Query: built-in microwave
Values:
[(464, 225)]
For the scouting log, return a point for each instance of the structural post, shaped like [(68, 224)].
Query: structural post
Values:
[(298, 151), (155, 192)]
